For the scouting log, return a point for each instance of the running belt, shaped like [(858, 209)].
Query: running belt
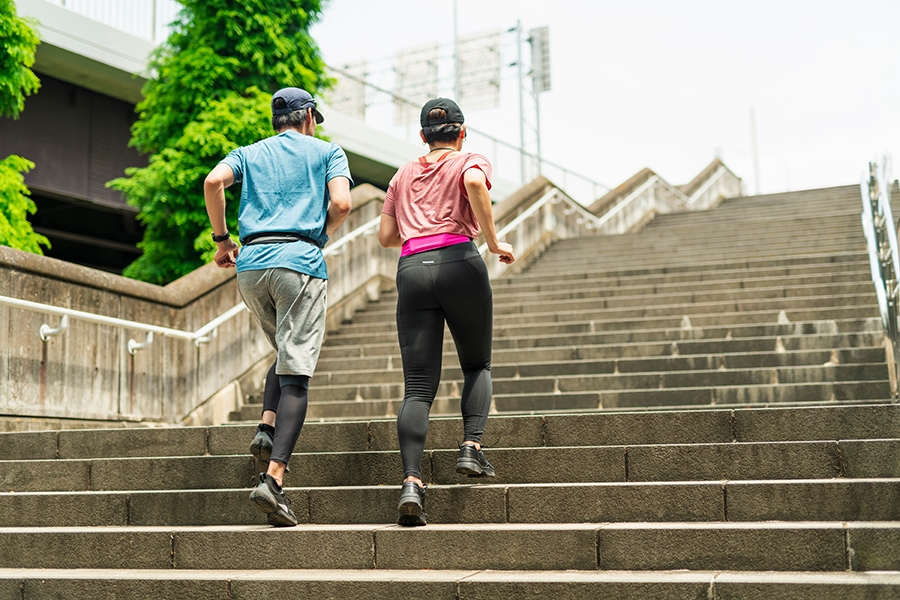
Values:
[(277, 237)]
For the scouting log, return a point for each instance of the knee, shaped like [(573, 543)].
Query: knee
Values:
[(301, 381), (474, 368)]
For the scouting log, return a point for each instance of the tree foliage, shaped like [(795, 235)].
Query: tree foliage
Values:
[(15, 205), (18, 40), (214, 79)]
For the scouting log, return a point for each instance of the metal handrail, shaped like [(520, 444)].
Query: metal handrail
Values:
[(628, 200), (554, 196), (884, 261), (708, 184), (199, 337)]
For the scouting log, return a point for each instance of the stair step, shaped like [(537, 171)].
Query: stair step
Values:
[(737, 501), (385, 584), (751, 546), (577, 464)]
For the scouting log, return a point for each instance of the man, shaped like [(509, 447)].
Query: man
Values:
[(295, 193)]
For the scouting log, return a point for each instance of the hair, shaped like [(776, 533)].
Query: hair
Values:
[(443, 133), (292, 119)]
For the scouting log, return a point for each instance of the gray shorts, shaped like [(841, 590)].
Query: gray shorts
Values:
[(290, 308)]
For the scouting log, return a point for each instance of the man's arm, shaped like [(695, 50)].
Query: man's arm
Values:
[(339, 190), (214, 193)]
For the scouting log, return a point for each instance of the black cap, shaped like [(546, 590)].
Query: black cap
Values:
[(296, 99), (454, 115)]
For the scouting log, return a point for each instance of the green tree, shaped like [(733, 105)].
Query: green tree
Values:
[(214, 79), (18, 40)]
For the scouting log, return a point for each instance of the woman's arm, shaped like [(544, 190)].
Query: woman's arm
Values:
[(480, 199), (388, 232)]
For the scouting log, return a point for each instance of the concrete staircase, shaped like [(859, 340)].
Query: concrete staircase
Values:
[(746, 447)]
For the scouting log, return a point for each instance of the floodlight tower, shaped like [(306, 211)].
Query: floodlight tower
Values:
[(539, 73)]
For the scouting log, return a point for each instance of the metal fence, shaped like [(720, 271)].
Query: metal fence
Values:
[(390, 113), (884, 261), (146, 19), (379, 108)]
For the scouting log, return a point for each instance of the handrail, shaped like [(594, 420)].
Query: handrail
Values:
[(554, 196), (199, 337), (884, 261), (628, 200), (707, 184)]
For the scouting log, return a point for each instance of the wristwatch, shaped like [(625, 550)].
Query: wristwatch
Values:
[(221, 238)]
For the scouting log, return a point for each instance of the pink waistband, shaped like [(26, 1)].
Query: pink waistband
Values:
[(430, 242)]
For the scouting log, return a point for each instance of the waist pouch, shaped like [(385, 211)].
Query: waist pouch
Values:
[(277, 237)]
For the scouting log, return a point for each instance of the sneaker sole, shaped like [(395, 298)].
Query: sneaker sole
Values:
[(473, 469), (412, 521), (410, 508), (261, 452), (265, 502), (411, 512)]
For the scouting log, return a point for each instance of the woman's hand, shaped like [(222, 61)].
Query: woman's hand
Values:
[(505, 251)]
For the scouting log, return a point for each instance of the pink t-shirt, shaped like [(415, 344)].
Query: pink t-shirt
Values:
[(430, 198)]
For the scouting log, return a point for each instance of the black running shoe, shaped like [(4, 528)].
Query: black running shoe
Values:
[(472, 462), (261, 447), (266, 498), (412, 502)]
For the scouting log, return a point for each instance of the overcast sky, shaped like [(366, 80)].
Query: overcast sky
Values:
[(669, 84)]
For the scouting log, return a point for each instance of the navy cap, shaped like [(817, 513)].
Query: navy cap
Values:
[(454, 115), (296, 99)]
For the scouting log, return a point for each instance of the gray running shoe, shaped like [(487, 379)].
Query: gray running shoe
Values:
[(266, 498), (472, 462), (412, 503)]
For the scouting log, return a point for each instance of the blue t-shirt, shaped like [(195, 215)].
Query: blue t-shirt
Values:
[(285, 188)]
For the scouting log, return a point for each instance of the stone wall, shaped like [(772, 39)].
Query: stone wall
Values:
[(86, 375)]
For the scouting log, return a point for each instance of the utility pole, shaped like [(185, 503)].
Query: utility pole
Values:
[(521, 80), (455, 55)]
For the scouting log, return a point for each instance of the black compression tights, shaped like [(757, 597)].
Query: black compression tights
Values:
[(289, 420), (272, 393), (449, 284)]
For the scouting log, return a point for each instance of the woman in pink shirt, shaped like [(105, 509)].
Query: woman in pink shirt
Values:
[(432, 210)]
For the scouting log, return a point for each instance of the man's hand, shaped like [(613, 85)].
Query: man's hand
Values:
[(226, 254)]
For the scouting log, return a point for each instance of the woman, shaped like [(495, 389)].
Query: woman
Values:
[(433, 209)]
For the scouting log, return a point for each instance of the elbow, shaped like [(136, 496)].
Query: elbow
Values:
[(342, 206), (212, 184)]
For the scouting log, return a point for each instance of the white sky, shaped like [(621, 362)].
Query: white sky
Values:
[(665, 84)]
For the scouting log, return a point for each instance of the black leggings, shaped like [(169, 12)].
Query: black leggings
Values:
[(451, 284), (292, 400)]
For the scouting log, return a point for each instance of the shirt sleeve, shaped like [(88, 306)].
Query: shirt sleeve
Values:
[(337, 165), (475, 161), (235, 161), (389, 207)]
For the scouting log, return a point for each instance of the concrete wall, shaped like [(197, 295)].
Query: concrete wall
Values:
[(87, 374)]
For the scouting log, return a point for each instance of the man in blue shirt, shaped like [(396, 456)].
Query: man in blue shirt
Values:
[(295, 192)]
